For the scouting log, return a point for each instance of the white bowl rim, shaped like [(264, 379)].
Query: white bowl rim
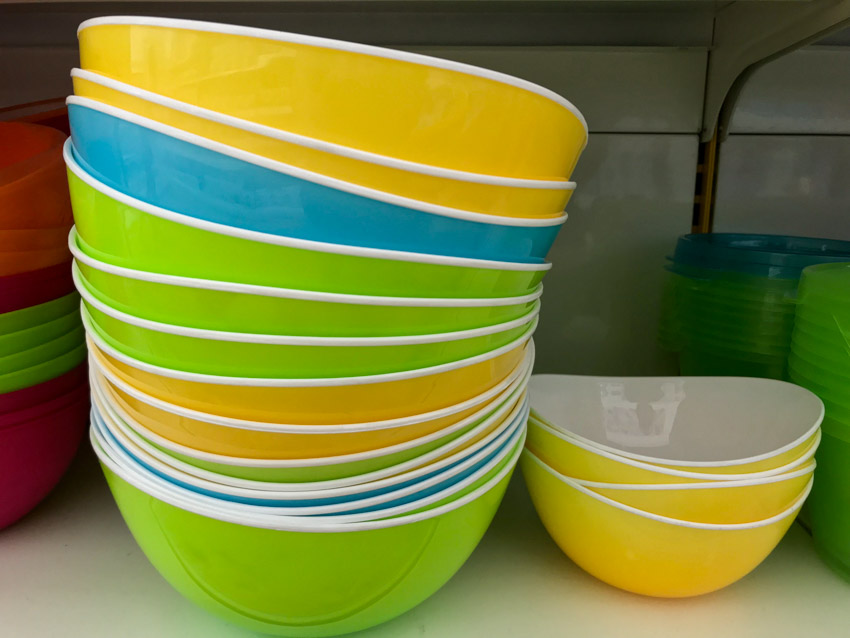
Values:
[(488, 398), (300, 173), (288, 242), (789, 511), (287, 340), (540, 418), (509, 438), (292, 293), (657, 469), (706, 485), (196, 377), (293, 524), (510, 410), (410, 469)]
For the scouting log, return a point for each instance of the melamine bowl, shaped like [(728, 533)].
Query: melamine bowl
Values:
[(275, 356), (646, 553), (44, 371), (742, 501), (318, 401), (161, 165), (31, 316), (34, 455), (265, 310), (43, 352), (44, 392), (282, 576), (128, 232), (327, 468), (34, 288), (577, 459), (472, 192), (408, 106), (258, 439), (33, 193), (449, 483), (39, 334), (710, 424)]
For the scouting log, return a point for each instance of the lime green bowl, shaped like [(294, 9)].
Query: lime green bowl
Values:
[(294, 357), (38, 334), (44, 371), (130, 233), (42, 313), (311, 579), (43, 352), (231, 307)]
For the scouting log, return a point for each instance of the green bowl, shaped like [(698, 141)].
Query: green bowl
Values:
[(45, 371), (43, 352), (214, 305), (695, 361), (42, 313), (829, 502), (15, 342), (130, 233), (305, 580), (276, 356)]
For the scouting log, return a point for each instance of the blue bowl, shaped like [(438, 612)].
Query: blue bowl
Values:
[(217, 183), (508, 441)]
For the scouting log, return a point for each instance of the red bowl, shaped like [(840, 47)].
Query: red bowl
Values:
[(35, 454), (11, 419), (35, 287), (43, 392)]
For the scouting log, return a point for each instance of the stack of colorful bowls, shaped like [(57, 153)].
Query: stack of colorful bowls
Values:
[(730, 301), (43, 389), (310, 284), (820, 361), (671, 486)]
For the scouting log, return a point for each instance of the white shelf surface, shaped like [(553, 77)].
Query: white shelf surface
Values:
[(72, 570)]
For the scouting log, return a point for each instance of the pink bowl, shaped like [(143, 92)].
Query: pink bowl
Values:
[(35, 287), (11, 419), (35, 454), (43, 392)]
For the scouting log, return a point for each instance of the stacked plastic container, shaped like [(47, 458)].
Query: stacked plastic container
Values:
[(820, 361), (669, 486), (730, 300), (43, 389), (311, 273)]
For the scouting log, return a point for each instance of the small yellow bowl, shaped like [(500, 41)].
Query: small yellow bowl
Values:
[(318, 401), (582, 461), (506, 197), (260, 440), (645, 553), (384, 101)]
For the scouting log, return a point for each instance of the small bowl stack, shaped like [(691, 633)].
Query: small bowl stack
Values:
[(730, 300), (820, 361), (309, 287), (669, 486), (43, 390)]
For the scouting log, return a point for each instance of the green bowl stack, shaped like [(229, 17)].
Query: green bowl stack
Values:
[(730, 300)]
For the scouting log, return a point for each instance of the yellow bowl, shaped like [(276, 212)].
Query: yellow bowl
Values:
[(741, 501), (317, 401), (645, 553), (262, 440), (507, 197), (579, 460), (403, 105)]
